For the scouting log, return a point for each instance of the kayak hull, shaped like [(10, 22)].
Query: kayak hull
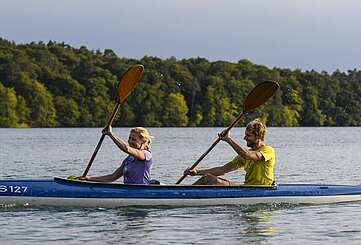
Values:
[(113, 203), (63, 192)]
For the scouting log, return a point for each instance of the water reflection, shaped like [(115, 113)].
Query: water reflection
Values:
[(132, 223), (251, 223), (258, 223), (133, 213)]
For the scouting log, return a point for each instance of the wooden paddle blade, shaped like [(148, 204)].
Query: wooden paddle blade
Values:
[(260, 94), (128, 81)]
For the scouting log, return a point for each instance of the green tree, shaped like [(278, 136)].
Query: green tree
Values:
[(311, 114), (126, 116), (147, 100), (67, 111), (23, 112), (8, 116), (218, 109), (40, 101), (97, 105), (175, 111)]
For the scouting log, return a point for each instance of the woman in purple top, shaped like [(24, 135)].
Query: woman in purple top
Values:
[(137, 166)]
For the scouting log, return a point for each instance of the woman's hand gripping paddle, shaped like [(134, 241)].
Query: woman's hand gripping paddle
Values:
[(258, 96), (126, 85)]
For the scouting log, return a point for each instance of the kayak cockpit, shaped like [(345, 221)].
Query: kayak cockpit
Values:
[(112, 184)]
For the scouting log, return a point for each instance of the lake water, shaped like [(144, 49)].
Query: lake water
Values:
[(304, 155)]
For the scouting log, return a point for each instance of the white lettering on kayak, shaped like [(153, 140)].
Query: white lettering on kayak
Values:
[(13, 189)]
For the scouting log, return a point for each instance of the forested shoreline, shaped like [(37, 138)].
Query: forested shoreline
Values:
[(55, 85)]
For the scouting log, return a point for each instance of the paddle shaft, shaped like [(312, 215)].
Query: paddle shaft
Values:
[(212, 146), (110, 121)]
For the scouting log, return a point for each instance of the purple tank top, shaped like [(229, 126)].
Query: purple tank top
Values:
[(137, 171)]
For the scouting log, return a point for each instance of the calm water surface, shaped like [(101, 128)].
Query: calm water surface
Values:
[(304, 155)]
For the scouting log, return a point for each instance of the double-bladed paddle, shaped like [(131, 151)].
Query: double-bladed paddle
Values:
[(126, 85), (258, 96)]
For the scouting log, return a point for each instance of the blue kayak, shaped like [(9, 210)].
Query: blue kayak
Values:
[(64, 192)]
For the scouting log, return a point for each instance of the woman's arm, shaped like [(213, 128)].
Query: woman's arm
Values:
[(139, 154), (107, 178)]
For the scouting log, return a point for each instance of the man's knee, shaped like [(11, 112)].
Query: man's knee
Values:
[(212, 180), (206, 179), (209, 179)]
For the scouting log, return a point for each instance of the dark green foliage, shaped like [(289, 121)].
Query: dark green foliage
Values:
[(176, 111), (40, 101), (8, 101), (54, 84), (67, 111)]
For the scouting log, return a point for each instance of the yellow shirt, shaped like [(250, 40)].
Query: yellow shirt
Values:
[(258, 172)]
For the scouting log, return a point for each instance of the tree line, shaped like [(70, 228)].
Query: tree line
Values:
[(55, 85)]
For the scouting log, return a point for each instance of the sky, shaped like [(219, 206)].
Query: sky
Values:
[(323, 35)]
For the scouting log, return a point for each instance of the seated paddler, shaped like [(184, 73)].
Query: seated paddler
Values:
[(136, 167), (257, 160)]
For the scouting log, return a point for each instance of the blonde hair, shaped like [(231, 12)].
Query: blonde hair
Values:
[(258, 128), (143, 135)]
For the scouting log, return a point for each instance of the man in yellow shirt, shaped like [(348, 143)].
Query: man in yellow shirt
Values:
[(258, 161)]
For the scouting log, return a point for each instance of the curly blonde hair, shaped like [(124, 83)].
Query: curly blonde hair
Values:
[(258, 128), (143, 135)]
